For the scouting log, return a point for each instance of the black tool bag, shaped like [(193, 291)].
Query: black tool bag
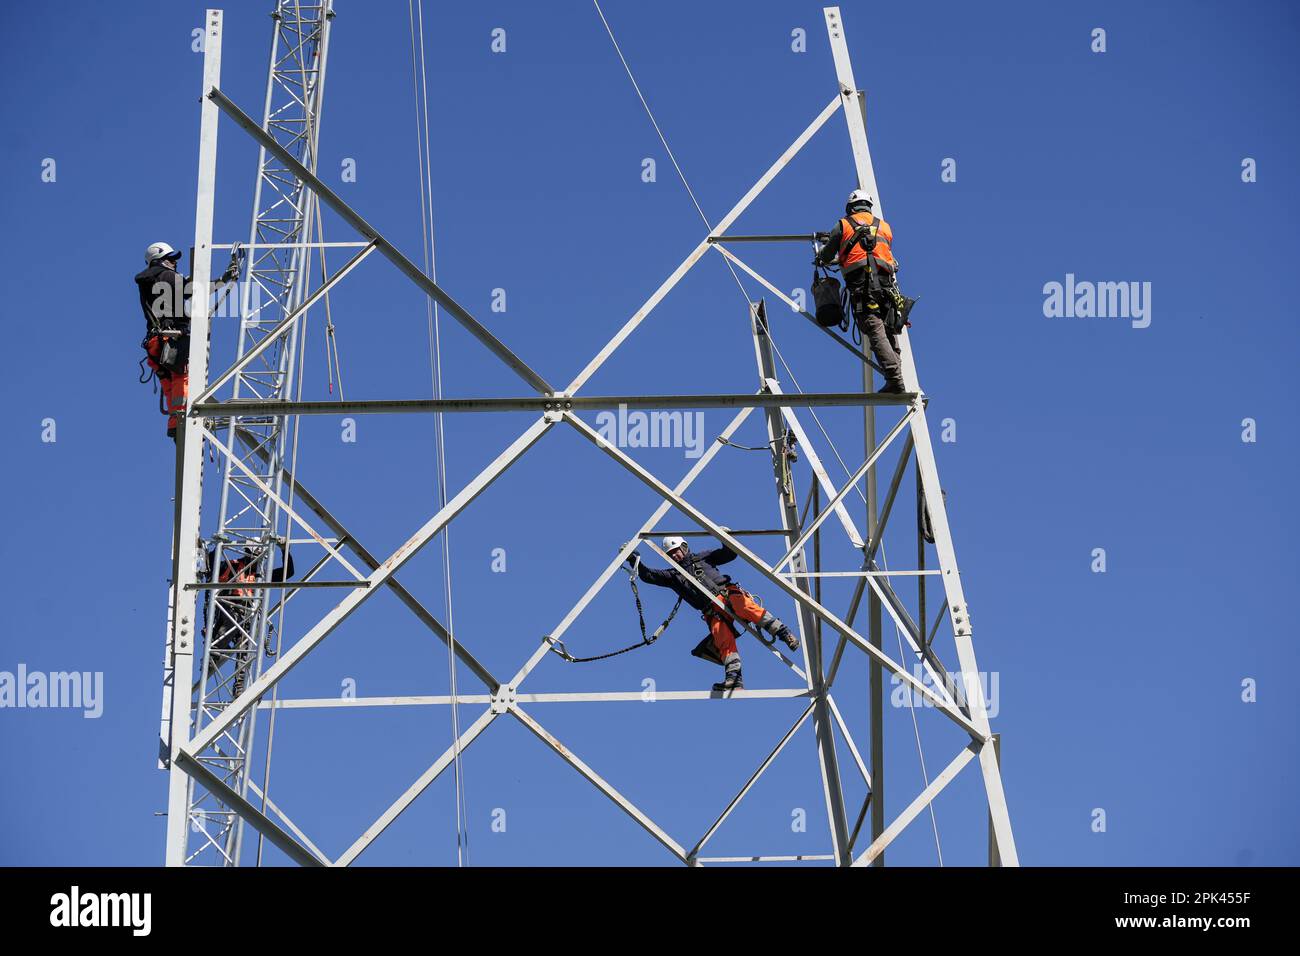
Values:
[(826, 298), (896, 316), (169, 356), (706, 650), (173, 350), (923, 521)]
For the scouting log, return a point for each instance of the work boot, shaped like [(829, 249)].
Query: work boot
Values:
[(778, 629), (893, 386), (733, 680)]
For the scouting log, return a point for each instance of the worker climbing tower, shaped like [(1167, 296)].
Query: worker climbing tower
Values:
[(246, 413)]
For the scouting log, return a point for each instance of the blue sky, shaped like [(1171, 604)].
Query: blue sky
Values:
[(1119, 691)]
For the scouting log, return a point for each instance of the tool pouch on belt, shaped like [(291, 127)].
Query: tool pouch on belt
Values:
[(706, 650), (169, 355), (170, 349), (896, 317), (826, 297), (894, 306)]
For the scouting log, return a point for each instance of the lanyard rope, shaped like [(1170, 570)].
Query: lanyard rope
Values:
[(646, 640)]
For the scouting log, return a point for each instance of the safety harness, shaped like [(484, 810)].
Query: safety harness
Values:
[(646, 640), (900, 306), (720, 593), (149, 376), (864, 233), (171, 358)]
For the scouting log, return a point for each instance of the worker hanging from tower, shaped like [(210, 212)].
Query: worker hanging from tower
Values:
[(730, 601), (862, 244), (164, 297)]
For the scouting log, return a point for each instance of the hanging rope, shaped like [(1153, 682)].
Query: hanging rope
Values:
[(559, 648), (312, 201), (885, 566), (415, 15), (333, 365), (288, 533), (740, 285), (668, 149), (916, 729), (681, 175), (732, 444)]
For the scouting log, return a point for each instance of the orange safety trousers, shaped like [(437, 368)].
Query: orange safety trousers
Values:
[(739, 603), (175, 385)]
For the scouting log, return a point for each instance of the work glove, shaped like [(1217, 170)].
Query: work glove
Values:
[(633, 558)]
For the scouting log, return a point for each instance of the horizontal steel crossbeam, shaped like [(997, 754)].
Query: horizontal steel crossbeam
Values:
[(546, 403)]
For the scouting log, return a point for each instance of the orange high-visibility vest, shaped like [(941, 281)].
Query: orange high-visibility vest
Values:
[(856, 256), (242, 576)]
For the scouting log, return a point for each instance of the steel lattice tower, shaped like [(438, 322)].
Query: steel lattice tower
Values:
[(273, 293), (248, 429)]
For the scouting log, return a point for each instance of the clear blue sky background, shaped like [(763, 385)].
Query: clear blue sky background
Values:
[(1119, 691)]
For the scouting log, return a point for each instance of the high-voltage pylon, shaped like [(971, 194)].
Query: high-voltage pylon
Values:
[(279, 255), (959, 698)]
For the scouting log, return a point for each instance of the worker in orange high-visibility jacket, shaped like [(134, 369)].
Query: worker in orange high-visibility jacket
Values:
[(729, 601), (862, 244), (229, 612)]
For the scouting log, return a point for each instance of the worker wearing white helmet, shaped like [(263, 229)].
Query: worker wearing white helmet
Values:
[(729, 601), (159, 250), (164, 293), (862, 245)]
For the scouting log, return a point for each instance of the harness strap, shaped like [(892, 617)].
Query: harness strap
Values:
[(714, 610), (559, 648), (861, 230), (698, 573)]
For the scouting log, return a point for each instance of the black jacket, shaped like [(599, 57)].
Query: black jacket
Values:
[(163, 295), (231, 568), (705, 563)]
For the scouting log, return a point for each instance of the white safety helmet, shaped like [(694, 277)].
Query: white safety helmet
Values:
[(672, 542), (860, 197), (159, 250)]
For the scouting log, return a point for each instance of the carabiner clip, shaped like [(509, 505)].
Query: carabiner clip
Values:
[(558, 647)]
